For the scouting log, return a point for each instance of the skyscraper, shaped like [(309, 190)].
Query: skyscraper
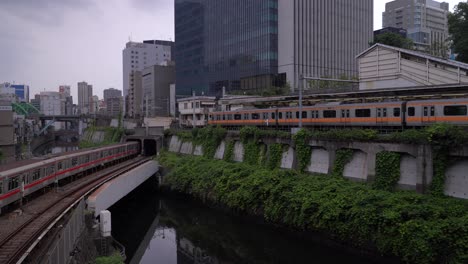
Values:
[(136, 56), (425, 21), (260, 44), (85, 93)]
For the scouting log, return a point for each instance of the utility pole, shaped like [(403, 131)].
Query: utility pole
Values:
[(301, 79)]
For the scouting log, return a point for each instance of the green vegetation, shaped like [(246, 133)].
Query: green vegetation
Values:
[(387, 170), (416, 228), (229, 151), (303, 150), (111, 135), (343, 157), (275, 156), (393, 39), (114, 259), (458, 23)]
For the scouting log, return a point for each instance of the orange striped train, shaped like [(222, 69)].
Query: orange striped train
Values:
[(25, 180), (385, 114)]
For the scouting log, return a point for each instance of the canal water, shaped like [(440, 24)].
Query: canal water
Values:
[(158, 229)]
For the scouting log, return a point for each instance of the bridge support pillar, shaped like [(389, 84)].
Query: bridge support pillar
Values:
[(424, 168), (371, 157), (331, 159)]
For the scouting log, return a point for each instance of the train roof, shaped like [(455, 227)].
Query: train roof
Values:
[(26, 165), (455, 100)]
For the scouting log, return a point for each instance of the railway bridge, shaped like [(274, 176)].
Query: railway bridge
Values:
[(49, 224)]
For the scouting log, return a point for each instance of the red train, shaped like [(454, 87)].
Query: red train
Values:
[(22, 181), (385, 114)]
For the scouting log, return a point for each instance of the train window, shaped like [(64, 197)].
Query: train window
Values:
[(297, 115), (237, 117), (396, 112), (304, 114), (36, 175), (229, 117), (224, 117), (265, 116), (280, 115), (432, 111), (273, 115), (1, 187), (379, 112), (329, 114), (255, 116), (60, 166), (26, 178), (51, 170), (312, 114), (13, 183), (425, 111), (411, 111), (362, 112), (384, 112), (455, 110), (246, 117), (288, 115), (343, 113)]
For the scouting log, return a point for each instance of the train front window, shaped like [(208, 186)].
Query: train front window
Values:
[(396, 112), (455, 110), (362, 112), (411, 111), (329, 114)]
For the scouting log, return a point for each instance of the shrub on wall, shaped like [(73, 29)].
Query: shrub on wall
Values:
[(229, 151), (275, 152), (343, 157), (387, 170), (303, 150)]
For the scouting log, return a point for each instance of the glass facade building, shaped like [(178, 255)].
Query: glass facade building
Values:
[(225, 43)]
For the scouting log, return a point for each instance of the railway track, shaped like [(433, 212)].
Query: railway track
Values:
[(15, 244)]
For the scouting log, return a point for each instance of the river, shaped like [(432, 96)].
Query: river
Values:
[(161, 229)]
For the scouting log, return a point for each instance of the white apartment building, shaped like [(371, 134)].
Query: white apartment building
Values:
[(52, 104), (137, 56), (193, 111)]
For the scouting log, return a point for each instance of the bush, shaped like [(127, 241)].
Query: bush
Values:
[(416, 228)]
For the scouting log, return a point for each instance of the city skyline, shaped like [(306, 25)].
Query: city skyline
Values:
[(82, 40)]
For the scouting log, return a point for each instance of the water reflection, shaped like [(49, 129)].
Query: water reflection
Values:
[(179, 231)]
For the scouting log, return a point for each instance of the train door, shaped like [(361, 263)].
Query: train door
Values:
[(382, 115), (428, 115), (344, 117)]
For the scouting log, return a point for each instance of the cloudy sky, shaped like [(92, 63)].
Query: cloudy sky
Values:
[(47, 43)]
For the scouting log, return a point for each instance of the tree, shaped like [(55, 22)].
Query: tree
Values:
[(393, 39), (458, 29), (438, 49)]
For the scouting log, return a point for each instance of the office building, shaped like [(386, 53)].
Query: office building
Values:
[(112, 93), (256, 45), (137, 56), (65, 93), (114, 102), (425, 21), (85, 93), (156, 82), (400, 31), (36, 102), (7, 130), (15, 92)]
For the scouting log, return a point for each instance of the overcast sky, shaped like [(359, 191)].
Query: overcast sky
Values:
[(47, 43)]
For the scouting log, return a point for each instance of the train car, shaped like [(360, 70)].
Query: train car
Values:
[(426, 112), (391, 114), (25, 180)]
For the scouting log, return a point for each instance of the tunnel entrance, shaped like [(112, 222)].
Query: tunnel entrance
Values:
[(150, 147)]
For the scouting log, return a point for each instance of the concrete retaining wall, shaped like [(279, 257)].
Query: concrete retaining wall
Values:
[(415, 166)]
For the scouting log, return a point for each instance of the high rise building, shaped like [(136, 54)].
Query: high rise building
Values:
[(425, 21), (156, 82), (137, 56), (112, 93), (65, 93), (114, 101), (261, 44), (85, 93)]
